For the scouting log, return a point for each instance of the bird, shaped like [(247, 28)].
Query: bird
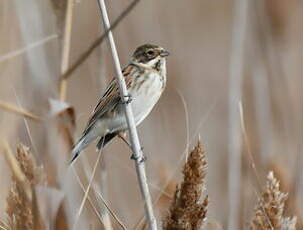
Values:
[(145, 78)]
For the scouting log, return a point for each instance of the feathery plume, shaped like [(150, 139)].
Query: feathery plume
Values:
[(269, 212), (187, 211), (22, 211)]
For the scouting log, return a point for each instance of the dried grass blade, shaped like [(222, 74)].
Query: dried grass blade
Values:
[(66, 46), (112, 213), (11, 108), (88, 197), (87, 189)]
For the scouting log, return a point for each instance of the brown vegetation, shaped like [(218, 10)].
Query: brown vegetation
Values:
[(198, 34), (188, 210), (22, 210), (269, 212)]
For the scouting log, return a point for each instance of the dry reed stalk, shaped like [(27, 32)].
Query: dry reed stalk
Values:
[(246, 142), (86, 193), (11, 108), (102, 206), (66, 46), (88, 197), (112, 213), (98, 41), (91, 201), (133, 135), (236, 71), (188, 211), (269, 212), (102, 188), (22, 208)]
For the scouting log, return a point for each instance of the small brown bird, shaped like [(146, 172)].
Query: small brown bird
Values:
[(145, 78)]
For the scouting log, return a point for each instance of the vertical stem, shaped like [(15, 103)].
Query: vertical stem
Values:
[(261, 79), (139, 162), (235, 95), (66, 46)]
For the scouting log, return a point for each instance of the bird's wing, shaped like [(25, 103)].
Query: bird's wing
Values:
[(111, 97)]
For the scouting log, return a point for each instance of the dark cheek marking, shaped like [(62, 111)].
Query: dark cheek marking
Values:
[(144, 58)]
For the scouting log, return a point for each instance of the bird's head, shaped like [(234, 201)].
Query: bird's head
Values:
[(150, 55)]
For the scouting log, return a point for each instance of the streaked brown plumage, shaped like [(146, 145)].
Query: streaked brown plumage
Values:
[(145, 78)]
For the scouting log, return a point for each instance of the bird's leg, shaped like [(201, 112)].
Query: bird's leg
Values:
[(128, 99), (122, 136)]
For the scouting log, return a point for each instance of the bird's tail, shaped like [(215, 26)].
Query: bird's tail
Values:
[(86, 139), (105, 140)]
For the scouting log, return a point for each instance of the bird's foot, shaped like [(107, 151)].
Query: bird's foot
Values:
[(140, 158), (127, 99)]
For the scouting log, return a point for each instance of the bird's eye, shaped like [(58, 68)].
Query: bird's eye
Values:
[(151, 53)]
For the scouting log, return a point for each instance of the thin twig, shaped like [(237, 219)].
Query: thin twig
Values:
[(134, 139), (98, 193), (251, 158), (247, 143), (98, 41), (88, 197), (19, 111), (87, 189), (112, 213), (104, 212), (66, 46), (186, 119)]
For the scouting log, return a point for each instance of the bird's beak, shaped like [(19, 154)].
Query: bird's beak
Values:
[(164, 53)]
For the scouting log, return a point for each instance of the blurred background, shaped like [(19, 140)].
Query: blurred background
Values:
[(225, 55)]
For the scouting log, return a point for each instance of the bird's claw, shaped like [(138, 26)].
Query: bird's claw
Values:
[(128, 99), (140, 158)]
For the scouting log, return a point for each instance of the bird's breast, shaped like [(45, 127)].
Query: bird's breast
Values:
[(145, 92)]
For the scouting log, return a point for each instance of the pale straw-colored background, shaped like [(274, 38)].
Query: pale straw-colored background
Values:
[(210, 45)]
